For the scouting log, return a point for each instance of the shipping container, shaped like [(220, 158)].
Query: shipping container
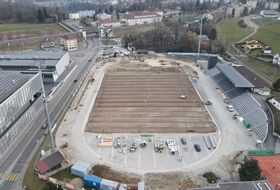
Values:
[(92, 181), (79, 171), (108, 185), (85, 165)]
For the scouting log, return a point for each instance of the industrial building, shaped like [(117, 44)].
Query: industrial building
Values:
[(18, 105), (27, 62)]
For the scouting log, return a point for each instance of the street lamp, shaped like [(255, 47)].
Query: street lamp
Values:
[(42, 64), (200, 35)]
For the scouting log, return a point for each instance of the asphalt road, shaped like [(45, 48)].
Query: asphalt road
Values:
[(13, 170)]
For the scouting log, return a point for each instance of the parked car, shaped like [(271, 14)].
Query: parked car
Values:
[(75, 80), (44, 126), (197, 147), (184, 141), (230, 108)]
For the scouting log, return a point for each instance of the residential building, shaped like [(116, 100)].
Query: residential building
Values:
[(169, 13), (69, 42), (204, 41), (216, 47), (154, 10), (253, 44), (236, 10), (102, 16), (110, 23), (271, 5), (87, 13), (269, 13), (141, 17), (73, 16)]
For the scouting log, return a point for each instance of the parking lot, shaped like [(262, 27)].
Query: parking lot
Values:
[(147, 158)]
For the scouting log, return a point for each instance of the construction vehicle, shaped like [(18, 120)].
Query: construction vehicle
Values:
[(64, 145), (195, 74)]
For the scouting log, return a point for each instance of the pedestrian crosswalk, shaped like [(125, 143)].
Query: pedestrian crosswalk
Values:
[(12, 176)]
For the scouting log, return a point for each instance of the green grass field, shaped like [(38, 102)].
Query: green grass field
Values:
[(229, 27), (28, 27), (269, 33)]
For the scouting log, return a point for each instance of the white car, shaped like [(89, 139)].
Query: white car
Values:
[(230, 108)]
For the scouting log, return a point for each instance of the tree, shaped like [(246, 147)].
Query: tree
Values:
[(250, 170), (213, 34), (45, 13), (276, 85), (245, 11), (40, 16)]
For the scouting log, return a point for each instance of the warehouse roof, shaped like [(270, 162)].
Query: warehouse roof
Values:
[(30, 58), (234, 77)]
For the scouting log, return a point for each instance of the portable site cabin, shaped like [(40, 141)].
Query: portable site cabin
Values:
[(92, 181), (108, 185), (81, 169)]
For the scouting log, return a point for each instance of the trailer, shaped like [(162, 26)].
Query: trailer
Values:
[(206, 142)]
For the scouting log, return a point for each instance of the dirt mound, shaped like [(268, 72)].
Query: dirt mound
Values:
[(77, 182), (107, 173)]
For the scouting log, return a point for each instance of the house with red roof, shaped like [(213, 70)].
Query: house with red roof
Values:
[(112, 22), (50, 163), (69, 42)]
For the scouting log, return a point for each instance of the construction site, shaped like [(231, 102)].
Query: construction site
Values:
[(131, 120)]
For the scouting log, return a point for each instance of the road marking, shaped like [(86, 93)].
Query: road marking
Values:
[(12, 176), (112, 153), (139, 154)]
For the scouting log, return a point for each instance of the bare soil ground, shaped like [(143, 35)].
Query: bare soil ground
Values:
[(146, 100)]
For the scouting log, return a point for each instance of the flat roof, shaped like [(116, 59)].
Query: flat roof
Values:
[(29, 58), (234, 77), (251, 77), (10, 81)]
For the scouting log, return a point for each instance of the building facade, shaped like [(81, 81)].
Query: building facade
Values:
[(69, 42), (269, 13), (110, 23), (73, 16), (19, 108), (102, 16)]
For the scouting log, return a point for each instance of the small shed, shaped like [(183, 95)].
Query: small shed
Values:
[(108, 185), (50, 163), (92, 181)]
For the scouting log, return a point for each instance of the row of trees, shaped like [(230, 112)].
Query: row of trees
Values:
[(27, 12), (172, 37)]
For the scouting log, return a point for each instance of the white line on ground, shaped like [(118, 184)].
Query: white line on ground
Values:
[(154, 154), (139, 154), (98, 150), (125, 160), (112, 155)]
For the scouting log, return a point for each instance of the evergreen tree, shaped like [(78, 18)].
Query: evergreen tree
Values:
[(249, 171), (276, 85), (40, 16), (45, 13), (213, 34)]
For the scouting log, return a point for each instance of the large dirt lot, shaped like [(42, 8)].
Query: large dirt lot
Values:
[(147, 101), (143, 97)]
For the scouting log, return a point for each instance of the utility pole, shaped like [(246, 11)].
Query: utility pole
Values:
[(199, 40), (45, 104)]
